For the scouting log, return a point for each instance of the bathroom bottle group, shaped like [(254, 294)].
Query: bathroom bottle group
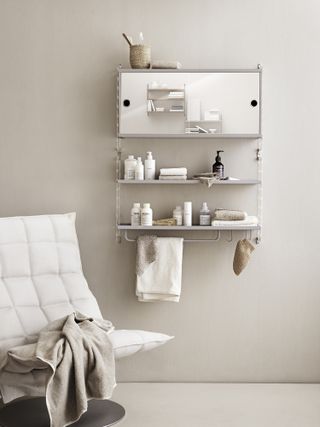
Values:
[(141, 216), (134, 169)]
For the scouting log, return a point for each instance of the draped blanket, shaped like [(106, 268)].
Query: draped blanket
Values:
[(76, 356)]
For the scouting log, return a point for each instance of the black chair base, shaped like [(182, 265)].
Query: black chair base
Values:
[(33, 413)]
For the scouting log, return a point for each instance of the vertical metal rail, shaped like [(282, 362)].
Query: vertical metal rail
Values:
[(118, 150), (260, 164)]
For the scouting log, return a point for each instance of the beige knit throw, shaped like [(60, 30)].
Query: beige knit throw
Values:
[(242, 255)]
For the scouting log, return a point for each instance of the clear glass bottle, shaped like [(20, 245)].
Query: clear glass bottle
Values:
[(205, 214)]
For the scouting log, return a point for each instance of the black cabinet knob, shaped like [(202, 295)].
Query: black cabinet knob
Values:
[(126, 102), (254, 103)]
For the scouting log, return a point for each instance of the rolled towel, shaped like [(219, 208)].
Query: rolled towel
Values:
[(158, 63), (172, 177), (229, 215), (173, 171)]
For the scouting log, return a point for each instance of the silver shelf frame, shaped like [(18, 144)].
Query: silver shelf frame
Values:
[(259, 182)]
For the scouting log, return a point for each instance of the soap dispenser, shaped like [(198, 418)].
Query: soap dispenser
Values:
[(218, 167)]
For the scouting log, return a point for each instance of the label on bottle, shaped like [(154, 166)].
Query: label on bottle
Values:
[(146, 218), (205, 219), (219, 171), (178, 218), (135, 218), (187, 219), (149, 173), (130, 174)]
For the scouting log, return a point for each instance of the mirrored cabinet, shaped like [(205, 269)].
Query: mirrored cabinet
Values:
[(181, 103)]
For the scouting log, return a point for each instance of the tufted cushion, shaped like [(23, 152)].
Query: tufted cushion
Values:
[(41, 276)]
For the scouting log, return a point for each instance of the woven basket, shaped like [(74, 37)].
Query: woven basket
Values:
[(140, 56)]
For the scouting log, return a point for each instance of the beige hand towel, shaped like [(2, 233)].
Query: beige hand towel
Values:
[(242, 255)]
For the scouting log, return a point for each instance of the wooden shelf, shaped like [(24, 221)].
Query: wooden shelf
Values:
[(192, 228), (186, 182)]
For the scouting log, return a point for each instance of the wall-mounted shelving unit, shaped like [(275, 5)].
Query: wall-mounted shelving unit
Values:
[(236, 93)]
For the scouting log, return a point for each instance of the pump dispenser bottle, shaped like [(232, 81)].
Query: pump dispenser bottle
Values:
[(150, 167), (218, 167)]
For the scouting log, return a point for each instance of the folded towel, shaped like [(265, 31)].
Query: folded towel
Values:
[(161, 281), (250, 220), (158, 63), (165, 221), (229, 215), (173, 171), (172, 177), (147, 249)]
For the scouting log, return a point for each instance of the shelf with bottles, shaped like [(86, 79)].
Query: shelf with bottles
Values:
[(187, 182), (190, 228)]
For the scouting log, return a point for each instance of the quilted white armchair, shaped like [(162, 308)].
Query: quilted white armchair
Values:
[(41, 280)]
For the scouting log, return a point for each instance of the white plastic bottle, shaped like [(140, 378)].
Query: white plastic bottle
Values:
[(130, 167), (139, 170), (205, 215), (177, 215), (187, 214), (146, 215), (136, 214), (150, 167)]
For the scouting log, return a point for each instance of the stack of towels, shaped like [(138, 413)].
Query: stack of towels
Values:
[(231, 217), (173, 174)]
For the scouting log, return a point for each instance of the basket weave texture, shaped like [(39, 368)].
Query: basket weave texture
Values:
[(140, 56)]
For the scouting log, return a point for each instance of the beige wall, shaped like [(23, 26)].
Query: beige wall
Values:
[(57, 135)]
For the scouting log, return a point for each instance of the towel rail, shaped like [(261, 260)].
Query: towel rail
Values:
[(215, 239), (247, 235)]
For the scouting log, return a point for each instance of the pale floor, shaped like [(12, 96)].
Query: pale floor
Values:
[(219, 405)]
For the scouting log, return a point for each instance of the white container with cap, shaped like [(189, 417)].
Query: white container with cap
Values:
[(187, 214), (205, 214), (136, 215), (177, 215), (150, 167), (146, 215), (130, 167), (139, 170)]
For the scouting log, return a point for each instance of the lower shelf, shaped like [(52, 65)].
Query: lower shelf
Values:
[(192, 228), (187, 182)]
